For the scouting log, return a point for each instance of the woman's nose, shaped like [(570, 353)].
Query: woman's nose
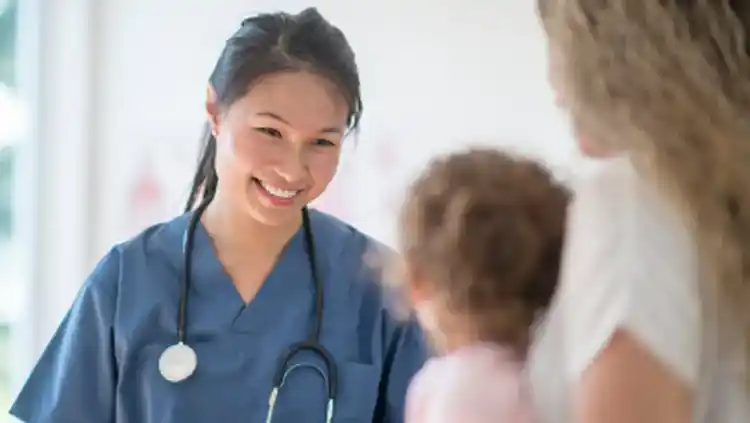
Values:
[(293, 167)]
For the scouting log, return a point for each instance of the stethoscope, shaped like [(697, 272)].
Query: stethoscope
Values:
[(179, 361)]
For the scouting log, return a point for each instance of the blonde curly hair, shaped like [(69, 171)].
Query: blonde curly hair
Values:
[(669, 82)]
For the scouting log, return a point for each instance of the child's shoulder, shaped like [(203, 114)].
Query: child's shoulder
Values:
[(479, 365), (482, 381)]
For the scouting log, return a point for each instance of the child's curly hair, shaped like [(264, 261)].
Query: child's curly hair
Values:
[(486, 230)]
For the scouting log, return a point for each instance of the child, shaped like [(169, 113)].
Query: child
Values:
[(482, 234)]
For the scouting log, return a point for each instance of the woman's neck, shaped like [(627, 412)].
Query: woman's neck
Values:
[(234, 231)]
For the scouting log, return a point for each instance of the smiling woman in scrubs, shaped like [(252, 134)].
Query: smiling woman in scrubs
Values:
[(282, 96)]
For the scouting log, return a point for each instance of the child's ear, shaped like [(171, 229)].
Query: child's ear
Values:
[(419, 288)]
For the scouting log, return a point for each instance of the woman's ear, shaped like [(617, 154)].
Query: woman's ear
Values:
[(212, 109)]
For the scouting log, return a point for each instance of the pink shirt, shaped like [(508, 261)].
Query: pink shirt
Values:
[(478, 384)]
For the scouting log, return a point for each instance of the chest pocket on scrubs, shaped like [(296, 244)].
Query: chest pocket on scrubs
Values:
[(303, 398)]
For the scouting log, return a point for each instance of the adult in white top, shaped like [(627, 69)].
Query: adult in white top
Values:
[(650, 321)]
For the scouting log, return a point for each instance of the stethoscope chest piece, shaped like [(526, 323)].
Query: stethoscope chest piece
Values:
[(178, 362)]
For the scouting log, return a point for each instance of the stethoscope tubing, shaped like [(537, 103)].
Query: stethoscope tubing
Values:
[(188, 241), (312, 344)]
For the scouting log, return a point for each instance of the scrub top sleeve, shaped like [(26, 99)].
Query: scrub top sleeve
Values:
[(406, 355), (74, 380)]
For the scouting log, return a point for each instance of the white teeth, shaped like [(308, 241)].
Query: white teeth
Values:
[(278, 192)]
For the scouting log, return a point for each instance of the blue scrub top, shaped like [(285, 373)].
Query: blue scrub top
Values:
[(101, 365)]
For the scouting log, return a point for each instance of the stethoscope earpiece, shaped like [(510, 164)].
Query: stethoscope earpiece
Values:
[(178, 362)]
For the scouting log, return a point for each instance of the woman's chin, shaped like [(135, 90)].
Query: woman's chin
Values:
[(271, 215)]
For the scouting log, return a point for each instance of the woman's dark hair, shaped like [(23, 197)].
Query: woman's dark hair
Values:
[(269, 43)]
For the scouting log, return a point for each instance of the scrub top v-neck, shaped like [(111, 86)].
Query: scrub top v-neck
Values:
[(289, 283), (101, 365)]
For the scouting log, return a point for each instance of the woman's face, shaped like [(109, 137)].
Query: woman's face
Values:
[(586, 143), (278, 147)]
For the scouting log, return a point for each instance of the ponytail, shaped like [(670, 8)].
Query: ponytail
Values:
[(205, 180)]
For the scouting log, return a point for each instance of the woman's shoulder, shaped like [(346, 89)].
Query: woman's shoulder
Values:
[(158, 243), (615, 187), (167, 234), (630, 263), (605, 186), (620, 219), (341, 234), (345, 245), (155, 248), (352, 261)]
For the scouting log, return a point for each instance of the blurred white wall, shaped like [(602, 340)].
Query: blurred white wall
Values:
[(117, 86), (436, 73)]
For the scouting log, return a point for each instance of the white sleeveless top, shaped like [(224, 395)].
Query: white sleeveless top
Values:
[(629, 263)]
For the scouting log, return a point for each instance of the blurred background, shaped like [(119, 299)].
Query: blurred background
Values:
[(101, 106)]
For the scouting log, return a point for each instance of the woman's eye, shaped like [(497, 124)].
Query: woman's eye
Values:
[(322, 142), (269, 131)]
